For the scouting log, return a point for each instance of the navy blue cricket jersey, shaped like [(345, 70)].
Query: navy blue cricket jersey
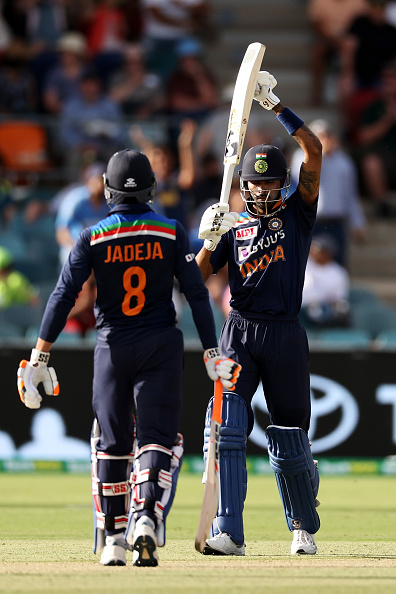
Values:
[(135, 255), (267, 258)]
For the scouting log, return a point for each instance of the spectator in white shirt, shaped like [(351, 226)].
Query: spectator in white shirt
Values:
[(325, 301)]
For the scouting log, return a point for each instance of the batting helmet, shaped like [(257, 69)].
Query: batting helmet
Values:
[(264, 163), (129, 178)]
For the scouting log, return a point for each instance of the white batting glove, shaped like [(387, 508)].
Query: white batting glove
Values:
[(216, 220), (263, 93), (219, 367), (31, 373)]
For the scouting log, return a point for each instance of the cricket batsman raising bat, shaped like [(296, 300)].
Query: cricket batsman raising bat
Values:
[(265, 250)]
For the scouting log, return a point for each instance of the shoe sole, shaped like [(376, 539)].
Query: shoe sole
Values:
[(146, 548), (114, 562), (209, 551), (302, 552)]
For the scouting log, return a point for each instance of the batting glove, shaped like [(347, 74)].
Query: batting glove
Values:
[(31, 373), (263, 93), (219, 367), (216, 220)]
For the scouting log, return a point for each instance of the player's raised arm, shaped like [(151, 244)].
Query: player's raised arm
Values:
[(310, 168)]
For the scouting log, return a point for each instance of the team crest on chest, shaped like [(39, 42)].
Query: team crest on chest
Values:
[(275, 224)]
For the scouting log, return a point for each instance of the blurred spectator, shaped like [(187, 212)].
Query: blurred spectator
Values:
[(105, 28), (208, 179), (165, 24), (81, 207), (18, 92), (137, 91), (340, 211), (376, 142), (62, 82), (15, 14), (82, 318), (390, 12), (5, 31), (211, 134), (369, 43), (326, 287), (7, 204), (192, 89), (15, 288), (46, 23), (174, 171), (329, 19), (90, 123)]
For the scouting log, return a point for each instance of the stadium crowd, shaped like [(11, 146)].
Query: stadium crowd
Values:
[(78, 80)]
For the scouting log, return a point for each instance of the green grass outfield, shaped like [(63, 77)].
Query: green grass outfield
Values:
[(46, 544)]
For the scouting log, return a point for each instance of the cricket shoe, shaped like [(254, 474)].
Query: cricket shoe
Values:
[(222, 544), (303, 543), (145, 543), (114, 552)]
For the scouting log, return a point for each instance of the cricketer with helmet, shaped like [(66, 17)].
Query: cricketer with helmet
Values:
[(135, 254), (266, 251)]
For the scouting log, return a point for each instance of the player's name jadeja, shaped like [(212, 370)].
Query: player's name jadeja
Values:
[(137, 251)]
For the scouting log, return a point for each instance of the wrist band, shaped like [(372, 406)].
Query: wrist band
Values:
[(290, 120), (39, 356)]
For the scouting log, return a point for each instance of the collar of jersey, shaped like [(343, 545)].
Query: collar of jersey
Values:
[(244, 218), (129, 208)]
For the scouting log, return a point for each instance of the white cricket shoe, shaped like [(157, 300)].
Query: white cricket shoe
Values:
[(114, 550), (222, 544), (145, 543), (303, 543)]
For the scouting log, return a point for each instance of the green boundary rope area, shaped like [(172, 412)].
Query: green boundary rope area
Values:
[(256, 465)]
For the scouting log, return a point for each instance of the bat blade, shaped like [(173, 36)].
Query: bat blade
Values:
[(212, 473), (211, 493), (239, 113)]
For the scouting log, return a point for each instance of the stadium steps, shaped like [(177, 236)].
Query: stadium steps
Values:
[(373, 264)]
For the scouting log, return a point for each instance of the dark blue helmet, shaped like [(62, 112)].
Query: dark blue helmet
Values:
[(129, 178)]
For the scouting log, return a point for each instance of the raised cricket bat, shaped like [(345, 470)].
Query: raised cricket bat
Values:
[(239, 114), (212, 485)]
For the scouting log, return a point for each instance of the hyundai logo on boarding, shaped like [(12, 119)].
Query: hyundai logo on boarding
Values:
[(334, 397)]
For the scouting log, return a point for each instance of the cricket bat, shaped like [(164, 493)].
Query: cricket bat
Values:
[(239, 114), (212, 485)]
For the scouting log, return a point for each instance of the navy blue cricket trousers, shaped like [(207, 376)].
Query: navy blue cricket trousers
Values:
[(143, 378), (276, 352)]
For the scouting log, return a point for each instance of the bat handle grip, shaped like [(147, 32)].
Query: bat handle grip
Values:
[(217, 402)]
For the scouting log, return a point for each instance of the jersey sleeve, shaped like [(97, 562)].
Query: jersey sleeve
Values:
[(192, 286), (71, 279)]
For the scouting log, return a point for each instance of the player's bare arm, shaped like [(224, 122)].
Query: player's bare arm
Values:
[(308, 184), (203, 261), (310, 168)]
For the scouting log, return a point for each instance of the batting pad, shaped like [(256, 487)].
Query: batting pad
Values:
[(111, 487), (296, 474), (233, 473)]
